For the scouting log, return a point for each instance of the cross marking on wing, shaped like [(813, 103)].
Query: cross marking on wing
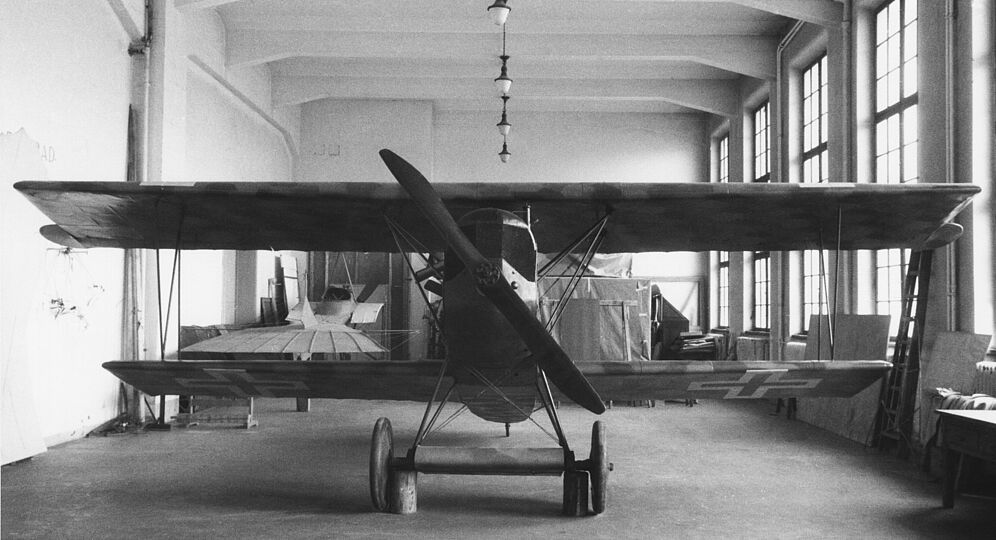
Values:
[(754, 384), (239, 383)]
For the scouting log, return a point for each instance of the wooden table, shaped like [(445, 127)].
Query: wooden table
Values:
[(971, 433)]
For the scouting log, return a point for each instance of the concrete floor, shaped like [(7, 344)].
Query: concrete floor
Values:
[(720, 469)]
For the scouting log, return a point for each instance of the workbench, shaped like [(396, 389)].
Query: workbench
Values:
[(964, 433)]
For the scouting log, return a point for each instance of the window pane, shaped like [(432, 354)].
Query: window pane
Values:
[(909, 42), (894, 140), (893, 85), (881, 23), (894, 57), (910, 157), (911, 121), (894, 167), (910, 78)]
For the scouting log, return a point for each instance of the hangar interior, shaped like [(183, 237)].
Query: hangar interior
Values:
[(628, 91)]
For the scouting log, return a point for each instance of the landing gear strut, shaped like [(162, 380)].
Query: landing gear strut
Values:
[(393, 481)]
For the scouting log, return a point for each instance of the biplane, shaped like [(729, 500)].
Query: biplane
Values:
[(501, 361)]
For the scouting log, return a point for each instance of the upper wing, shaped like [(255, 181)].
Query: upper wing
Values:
[(645, 217), (627, 381), (404, 381), (415, 381)]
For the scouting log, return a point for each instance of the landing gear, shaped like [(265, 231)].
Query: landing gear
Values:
[(381, 453), (394, 481), (599, 468)]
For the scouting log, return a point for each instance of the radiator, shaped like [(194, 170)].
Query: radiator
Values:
[(984, 381), (753, 348)]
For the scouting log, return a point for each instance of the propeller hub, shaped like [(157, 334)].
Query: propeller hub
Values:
[(487, 274)]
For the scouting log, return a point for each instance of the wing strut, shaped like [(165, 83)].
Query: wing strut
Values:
[(582, 266), (160, 423)]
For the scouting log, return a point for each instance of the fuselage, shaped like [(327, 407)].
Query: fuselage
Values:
[(481, 344)]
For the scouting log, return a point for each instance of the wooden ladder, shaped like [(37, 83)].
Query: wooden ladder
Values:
[(894, 422)]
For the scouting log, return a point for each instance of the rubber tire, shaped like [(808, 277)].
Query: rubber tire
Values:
[(600, 468), (381, 453)]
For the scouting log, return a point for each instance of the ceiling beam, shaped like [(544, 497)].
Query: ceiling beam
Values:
[(663, 24), (194, 5), (747, 55), (520, 104), (133, 24), (821, 12), (828, 13), (577, 69), (716, 97)]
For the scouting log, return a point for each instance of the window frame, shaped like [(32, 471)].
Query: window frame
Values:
[(889, 265), (723, 257), (761, 288), (761, 116), (815, 96), (723, 289), (815, 148), (761, 302)]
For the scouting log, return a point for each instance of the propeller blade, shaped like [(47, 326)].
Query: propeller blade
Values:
[(492, 284)]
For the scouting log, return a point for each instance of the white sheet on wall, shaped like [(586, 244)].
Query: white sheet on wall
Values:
[(20, 434)]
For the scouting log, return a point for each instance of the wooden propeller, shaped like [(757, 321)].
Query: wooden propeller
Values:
[(493, 285)]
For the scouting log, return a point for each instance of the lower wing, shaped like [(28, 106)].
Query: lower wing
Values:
[(402, 381), (415, 381), (625, 381)]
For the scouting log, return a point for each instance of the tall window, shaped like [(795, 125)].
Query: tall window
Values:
[(814, 298), (815, 169), (814, 122), (762, 259), (723, 287), (896, 132), (724, 159), (762, 145), (762, 290)]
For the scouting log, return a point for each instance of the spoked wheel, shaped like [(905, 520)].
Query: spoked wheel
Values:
[(600, 468), (381, 452)]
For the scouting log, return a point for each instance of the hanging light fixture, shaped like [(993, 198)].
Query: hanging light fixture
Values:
[(499, 12), (503, 125), (502, 81)]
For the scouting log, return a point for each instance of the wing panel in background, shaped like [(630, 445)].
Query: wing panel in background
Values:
[(349, 216), (400, 381), (629, 381)]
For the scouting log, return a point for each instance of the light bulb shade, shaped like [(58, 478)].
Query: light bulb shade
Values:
[(502, 81), (504, 154), (504, 127), (499, 12), (503, 84)]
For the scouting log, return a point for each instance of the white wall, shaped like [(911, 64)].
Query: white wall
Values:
[(572, 147), (340, 139), (69, 91), (68, 82), (232, 134), (226, 143)]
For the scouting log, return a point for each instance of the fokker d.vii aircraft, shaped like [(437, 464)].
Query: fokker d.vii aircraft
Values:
[(500, 358)]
